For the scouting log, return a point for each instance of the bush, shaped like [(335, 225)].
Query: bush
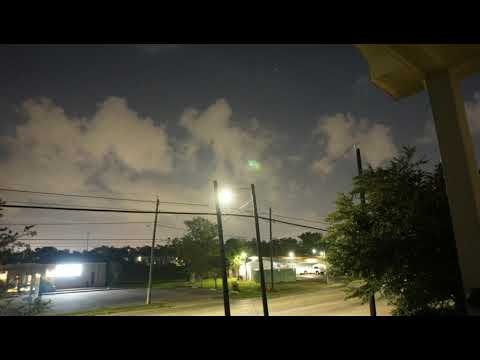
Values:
[(235, 286)]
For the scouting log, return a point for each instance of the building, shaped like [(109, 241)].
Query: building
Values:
[(33, 278), (299, 264)]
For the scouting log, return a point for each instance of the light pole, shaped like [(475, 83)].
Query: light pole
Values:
[(373, 307), (260, 258), (223, 196), (150, 270), (271, 249)]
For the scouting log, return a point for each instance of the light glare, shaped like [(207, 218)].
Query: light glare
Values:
[(65, 270), (225, 196)]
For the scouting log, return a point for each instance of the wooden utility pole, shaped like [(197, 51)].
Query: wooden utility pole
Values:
[(271, 249), (223, 263), (259, 253), (148, 300), (373, 307)]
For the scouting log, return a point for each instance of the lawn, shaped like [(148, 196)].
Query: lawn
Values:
[(248, 289), (118, 309)]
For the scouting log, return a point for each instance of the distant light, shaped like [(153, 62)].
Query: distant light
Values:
[(243, 255), (291, 254), (314, 251), (322, 253), (225, 196), (139, 258), (65, 270), (254, 164)]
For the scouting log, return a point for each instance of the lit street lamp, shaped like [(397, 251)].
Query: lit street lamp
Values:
[(314, 251), (225, 196)]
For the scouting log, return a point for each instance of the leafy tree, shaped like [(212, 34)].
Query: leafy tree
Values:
[(198, 249), (400, 242), (311, 241), (9, 240)]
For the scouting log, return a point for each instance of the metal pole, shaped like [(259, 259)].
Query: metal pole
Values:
[(271, 249), (373, 307), (226, 300), (259, 253), (246, 273), (150, 270), (88, 238)]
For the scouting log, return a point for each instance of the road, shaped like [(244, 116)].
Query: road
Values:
[(86, 301), (202, 302), (324, 302)]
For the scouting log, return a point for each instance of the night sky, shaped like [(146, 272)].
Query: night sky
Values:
[(140, 120)]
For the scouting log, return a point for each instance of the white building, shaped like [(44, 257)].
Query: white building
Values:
[(26, 278), (302, 265)]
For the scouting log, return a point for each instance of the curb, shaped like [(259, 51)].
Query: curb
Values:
[(76, 291)]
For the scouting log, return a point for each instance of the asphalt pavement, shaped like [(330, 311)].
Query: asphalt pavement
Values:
[(328, 301), (86, 301)]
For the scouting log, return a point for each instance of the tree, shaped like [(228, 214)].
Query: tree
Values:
[(311, 241), (198, 249), (9, 240), (400, 242)]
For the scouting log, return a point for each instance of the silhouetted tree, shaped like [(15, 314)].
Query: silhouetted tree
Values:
[(401, 241)]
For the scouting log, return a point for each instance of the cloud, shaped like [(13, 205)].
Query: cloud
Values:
[(52, 145), (338, 133), (231, 145)]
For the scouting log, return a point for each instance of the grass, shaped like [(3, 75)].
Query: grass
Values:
[(118, 309), (249, 289)]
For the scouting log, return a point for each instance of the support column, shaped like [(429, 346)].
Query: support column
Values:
[(460, 171)]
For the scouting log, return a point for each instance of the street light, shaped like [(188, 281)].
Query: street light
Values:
[(225, 196), (314, 251), (291, 254)]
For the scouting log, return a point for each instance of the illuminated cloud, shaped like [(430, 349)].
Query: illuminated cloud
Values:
[(338, 133)]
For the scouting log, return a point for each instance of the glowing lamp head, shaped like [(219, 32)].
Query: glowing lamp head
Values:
[(314, 251), (291, 254), (225, 196)]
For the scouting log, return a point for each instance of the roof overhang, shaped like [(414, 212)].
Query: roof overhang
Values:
[(401, 69)]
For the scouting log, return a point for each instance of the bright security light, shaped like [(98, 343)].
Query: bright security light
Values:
[(225, 196), (65, 270), (314, 251), (291, 254)]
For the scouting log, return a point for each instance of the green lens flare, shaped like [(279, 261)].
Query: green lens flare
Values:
[(254, 165)]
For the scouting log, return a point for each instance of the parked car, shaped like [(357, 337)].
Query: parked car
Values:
[(319, 269)]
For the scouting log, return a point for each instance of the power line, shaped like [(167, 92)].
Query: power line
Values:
[(301, 219), (98, 197), (159, 212)]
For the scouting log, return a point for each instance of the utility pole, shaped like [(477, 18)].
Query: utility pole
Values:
[(271, 248), (226, 300), (373, 307), (259, 252), (148, 301), (88, 238)]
